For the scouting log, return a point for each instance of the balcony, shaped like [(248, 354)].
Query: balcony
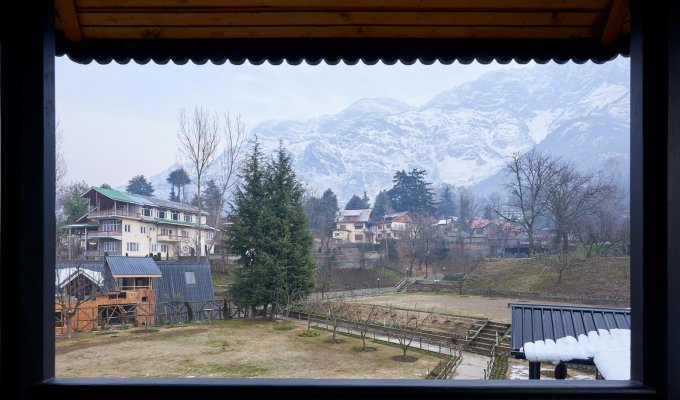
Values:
[(113, 213), (104, 234), (171, 238)]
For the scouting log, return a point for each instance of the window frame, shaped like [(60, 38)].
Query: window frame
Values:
[(27, 56)]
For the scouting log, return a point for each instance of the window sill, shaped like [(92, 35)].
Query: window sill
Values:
[(145, 388)]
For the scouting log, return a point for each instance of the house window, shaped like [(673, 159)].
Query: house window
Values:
[(209, 235), (358, 226), (58, 319), (142, 229), (146, 211), (175, 215), (161, 213), (343, 227), (132, 246), (359, 238), (164, 231), (164, 248), (154, 248), (380, 226), (190, 278), (109, 247), (127, 228), (188, 218), (185, 234), (110, 225)]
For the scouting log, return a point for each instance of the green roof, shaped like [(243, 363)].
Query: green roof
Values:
[(115, 194), (93, 225), (172, 221)]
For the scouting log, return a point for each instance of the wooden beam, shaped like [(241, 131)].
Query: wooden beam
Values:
[(66, 11), (442, 18), (485, 32), (617, 15), (385, 5)]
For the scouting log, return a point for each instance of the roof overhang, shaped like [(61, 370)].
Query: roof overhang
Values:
[(353, 31)]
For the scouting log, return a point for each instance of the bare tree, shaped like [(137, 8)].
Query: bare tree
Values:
[(334, 310), (74, 287), (61, 166), (310, 306), (233, 137), (198, 142), (408, 324), (361, 320), (572, 195), (560, 262), (529, 176), (604, 229)]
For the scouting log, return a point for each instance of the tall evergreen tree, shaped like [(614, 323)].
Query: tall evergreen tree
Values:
[(179, 178), (212, 200), (358, 203), (139, 185), (382, 205), (173, 196), (411, 193), (366, 201), (446, 208), (250, 218), (321, 213), (290, 237), (269, 231)]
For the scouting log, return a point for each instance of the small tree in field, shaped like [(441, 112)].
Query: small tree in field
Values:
[(334, 310), (408, 324), (361, 319)]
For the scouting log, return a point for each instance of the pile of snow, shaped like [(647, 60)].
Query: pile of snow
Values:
[(609, 349)]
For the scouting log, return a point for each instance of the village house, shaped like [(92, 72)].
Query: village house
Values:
[(131, 290), (118, 291), (397, 225), (354, 226), (121, 223)]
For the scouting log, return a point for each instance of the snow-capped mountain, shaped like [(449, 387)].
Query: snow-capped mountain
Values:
[(464, 135)]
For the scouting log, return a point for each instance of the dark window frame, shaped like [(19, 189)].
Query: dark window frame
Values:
[(27, 73)]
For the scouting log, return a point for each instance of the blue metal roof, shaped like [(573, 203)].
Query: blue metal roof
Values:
[(175, 283), (532, 322), (132, 266)]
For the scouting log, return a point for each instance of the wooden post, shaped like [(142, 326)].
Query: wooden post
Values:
[(534, 370)]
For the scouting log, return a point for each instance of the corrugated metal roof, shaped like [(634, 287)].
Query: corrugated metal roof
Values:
[(142, 266), (173, 282), (534, 322), (114, 194)]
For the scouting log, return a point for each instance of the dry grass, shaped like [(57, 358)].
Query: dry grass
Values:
[(586, 277), (230, 349)]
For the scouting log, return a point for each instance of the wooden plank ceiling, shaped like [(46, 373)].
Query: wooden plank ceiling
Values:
[(604, 20)]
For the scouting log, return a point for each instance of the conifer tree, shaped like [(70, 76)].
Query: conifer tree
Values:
[(247, 233)]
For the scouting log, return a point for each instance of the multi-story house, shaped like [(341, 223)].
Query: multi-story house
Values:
[(353, 226), (120, 223), (396, 225)]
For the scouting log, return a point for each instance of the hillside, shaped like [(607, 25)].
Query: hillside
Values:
[(608, 276)]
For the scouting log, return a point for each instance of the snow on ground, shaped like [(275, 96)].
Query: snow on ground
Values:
[(520, 371)]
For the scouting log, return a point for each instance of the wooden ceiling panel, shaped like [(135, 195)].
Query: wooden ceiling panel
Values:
[(585, 22)]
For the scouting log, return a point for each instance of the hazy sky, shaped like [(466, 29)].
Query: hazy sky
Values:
[(119, 121)]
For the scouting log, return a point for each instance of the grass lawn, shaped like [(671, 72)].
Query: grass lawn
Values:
[(230, 349)]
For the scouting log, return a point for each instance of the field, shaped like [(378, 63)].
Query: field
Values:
[(230, 349)]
